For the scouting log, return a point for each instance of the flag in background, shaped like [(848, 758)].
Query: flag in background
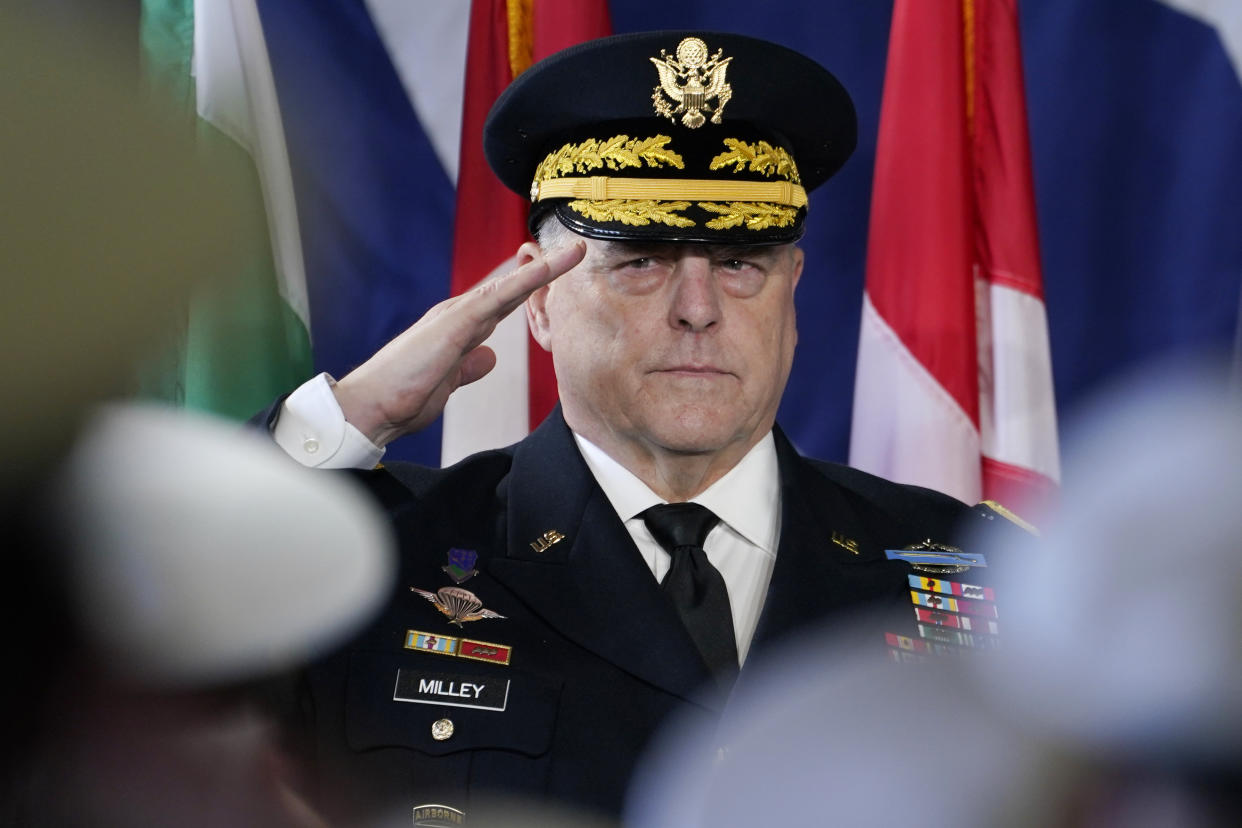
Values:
[(506, 36), (1135, 114), (370, 96), (246, 336), (953, 388)]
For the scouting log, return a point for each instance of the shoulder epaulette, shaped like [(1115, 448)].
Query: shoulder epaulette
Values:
[(993, 506)]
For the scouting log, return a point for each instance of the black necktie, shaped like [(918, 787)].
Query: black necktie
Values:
[(695, 586)]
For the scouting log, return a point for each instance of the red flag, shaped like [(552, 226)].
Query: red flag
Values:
[(954, 381), (506, 36)]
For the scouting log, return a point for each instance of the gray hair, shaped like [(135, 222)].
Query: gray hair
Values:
[(552, 234)]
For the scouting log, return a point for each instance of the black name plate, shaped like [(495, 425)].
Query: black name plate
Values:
[(452, 689)]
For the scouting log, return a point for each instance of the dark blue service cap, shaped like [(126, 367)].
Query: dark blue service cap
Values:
[(672, 136)]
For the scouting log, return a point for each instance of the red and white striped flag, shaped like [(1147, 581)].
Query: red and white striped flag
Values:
[(954, 380), (506, 36)]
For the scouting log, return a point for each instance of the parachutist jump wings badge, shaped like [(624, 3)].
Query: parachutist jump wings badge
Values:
[(458, 604), (704, 77)]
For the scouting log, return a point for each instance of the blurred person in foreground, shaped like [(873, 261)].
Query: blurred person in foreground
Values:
[(145, 590), (561, 598), (1116, 699)]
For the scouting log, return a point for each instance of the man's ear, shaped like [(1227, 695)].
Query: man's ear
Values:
[(798, 261), (537, 302), (537, 317)]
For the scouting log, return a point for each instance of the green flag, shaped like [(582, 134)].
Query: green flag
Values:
[(246, 335)]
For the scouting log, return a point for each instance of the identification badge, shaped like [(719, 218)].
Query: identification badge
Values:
[(451, 689)]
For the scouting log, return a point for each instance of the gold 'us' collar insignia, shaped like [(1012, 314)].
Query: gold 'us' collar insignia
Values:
[(689, 82), (545, 541), (848, 544)]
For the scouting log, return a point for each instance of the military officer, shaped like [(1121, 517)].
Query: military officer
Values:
[(561, 599)]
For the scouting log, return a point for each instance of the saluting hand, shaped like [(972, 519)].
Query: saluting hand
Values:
[(404, 386)]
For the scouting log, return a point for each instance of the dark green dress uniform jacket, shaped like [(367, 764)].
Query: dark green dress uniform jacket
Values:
[(598, 660)]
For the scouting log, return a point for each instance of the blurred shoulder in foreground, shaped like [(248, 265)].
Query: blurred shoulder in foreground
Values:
[(1115, 697)]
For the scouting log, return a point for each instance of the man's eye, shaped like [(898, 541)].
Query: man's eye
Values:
[(641, 263), (740, 277)]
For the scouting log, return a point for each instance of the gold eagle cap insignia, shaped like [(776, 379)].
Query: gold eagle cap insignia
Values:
[(690, 81), (458, 604)]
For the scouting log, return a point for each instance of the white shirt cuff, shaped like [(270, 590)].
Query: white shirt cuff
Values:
[(312, 429)]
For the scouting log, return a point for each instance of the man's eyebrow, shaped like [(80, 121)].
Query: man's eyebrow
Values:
[(632, 248), (746, 252), (611, 247), (615, 248)]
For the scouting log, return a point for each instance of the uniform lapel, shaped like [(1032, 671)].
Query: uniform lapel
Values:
[(592, 585), (830, 558)]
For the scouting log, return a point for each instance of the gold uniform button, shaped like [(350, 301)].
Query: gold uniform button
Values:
[(441, 729)]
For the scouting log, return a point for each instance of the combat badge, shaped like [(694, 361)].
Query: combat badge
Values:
[(936, 558), (459, 605), (460, 566), (704, 80)]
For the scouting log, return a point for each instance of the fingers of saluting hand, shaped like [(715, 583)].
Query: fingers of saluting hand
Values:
[(405, 384), (499, 295)]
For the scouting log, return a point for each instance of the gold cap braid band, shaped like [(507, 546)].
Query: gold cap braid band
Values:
[(602, 187)]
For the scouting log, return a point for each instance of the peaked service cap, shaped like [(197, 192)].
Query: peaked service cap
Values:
[(678, 136)]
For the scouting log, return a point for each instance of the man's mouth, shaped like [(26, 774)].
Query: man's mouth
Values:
[(693, 371)]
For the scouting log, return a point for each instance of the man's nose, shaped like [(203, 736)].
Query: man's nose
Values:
[(696, 295)]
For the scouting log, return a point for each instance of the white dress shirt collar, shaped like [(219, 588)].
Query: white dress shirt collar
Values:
[(747, 498)]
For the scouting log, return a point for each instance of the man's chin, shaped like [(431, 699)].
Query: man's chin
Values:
[(693, 432)]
